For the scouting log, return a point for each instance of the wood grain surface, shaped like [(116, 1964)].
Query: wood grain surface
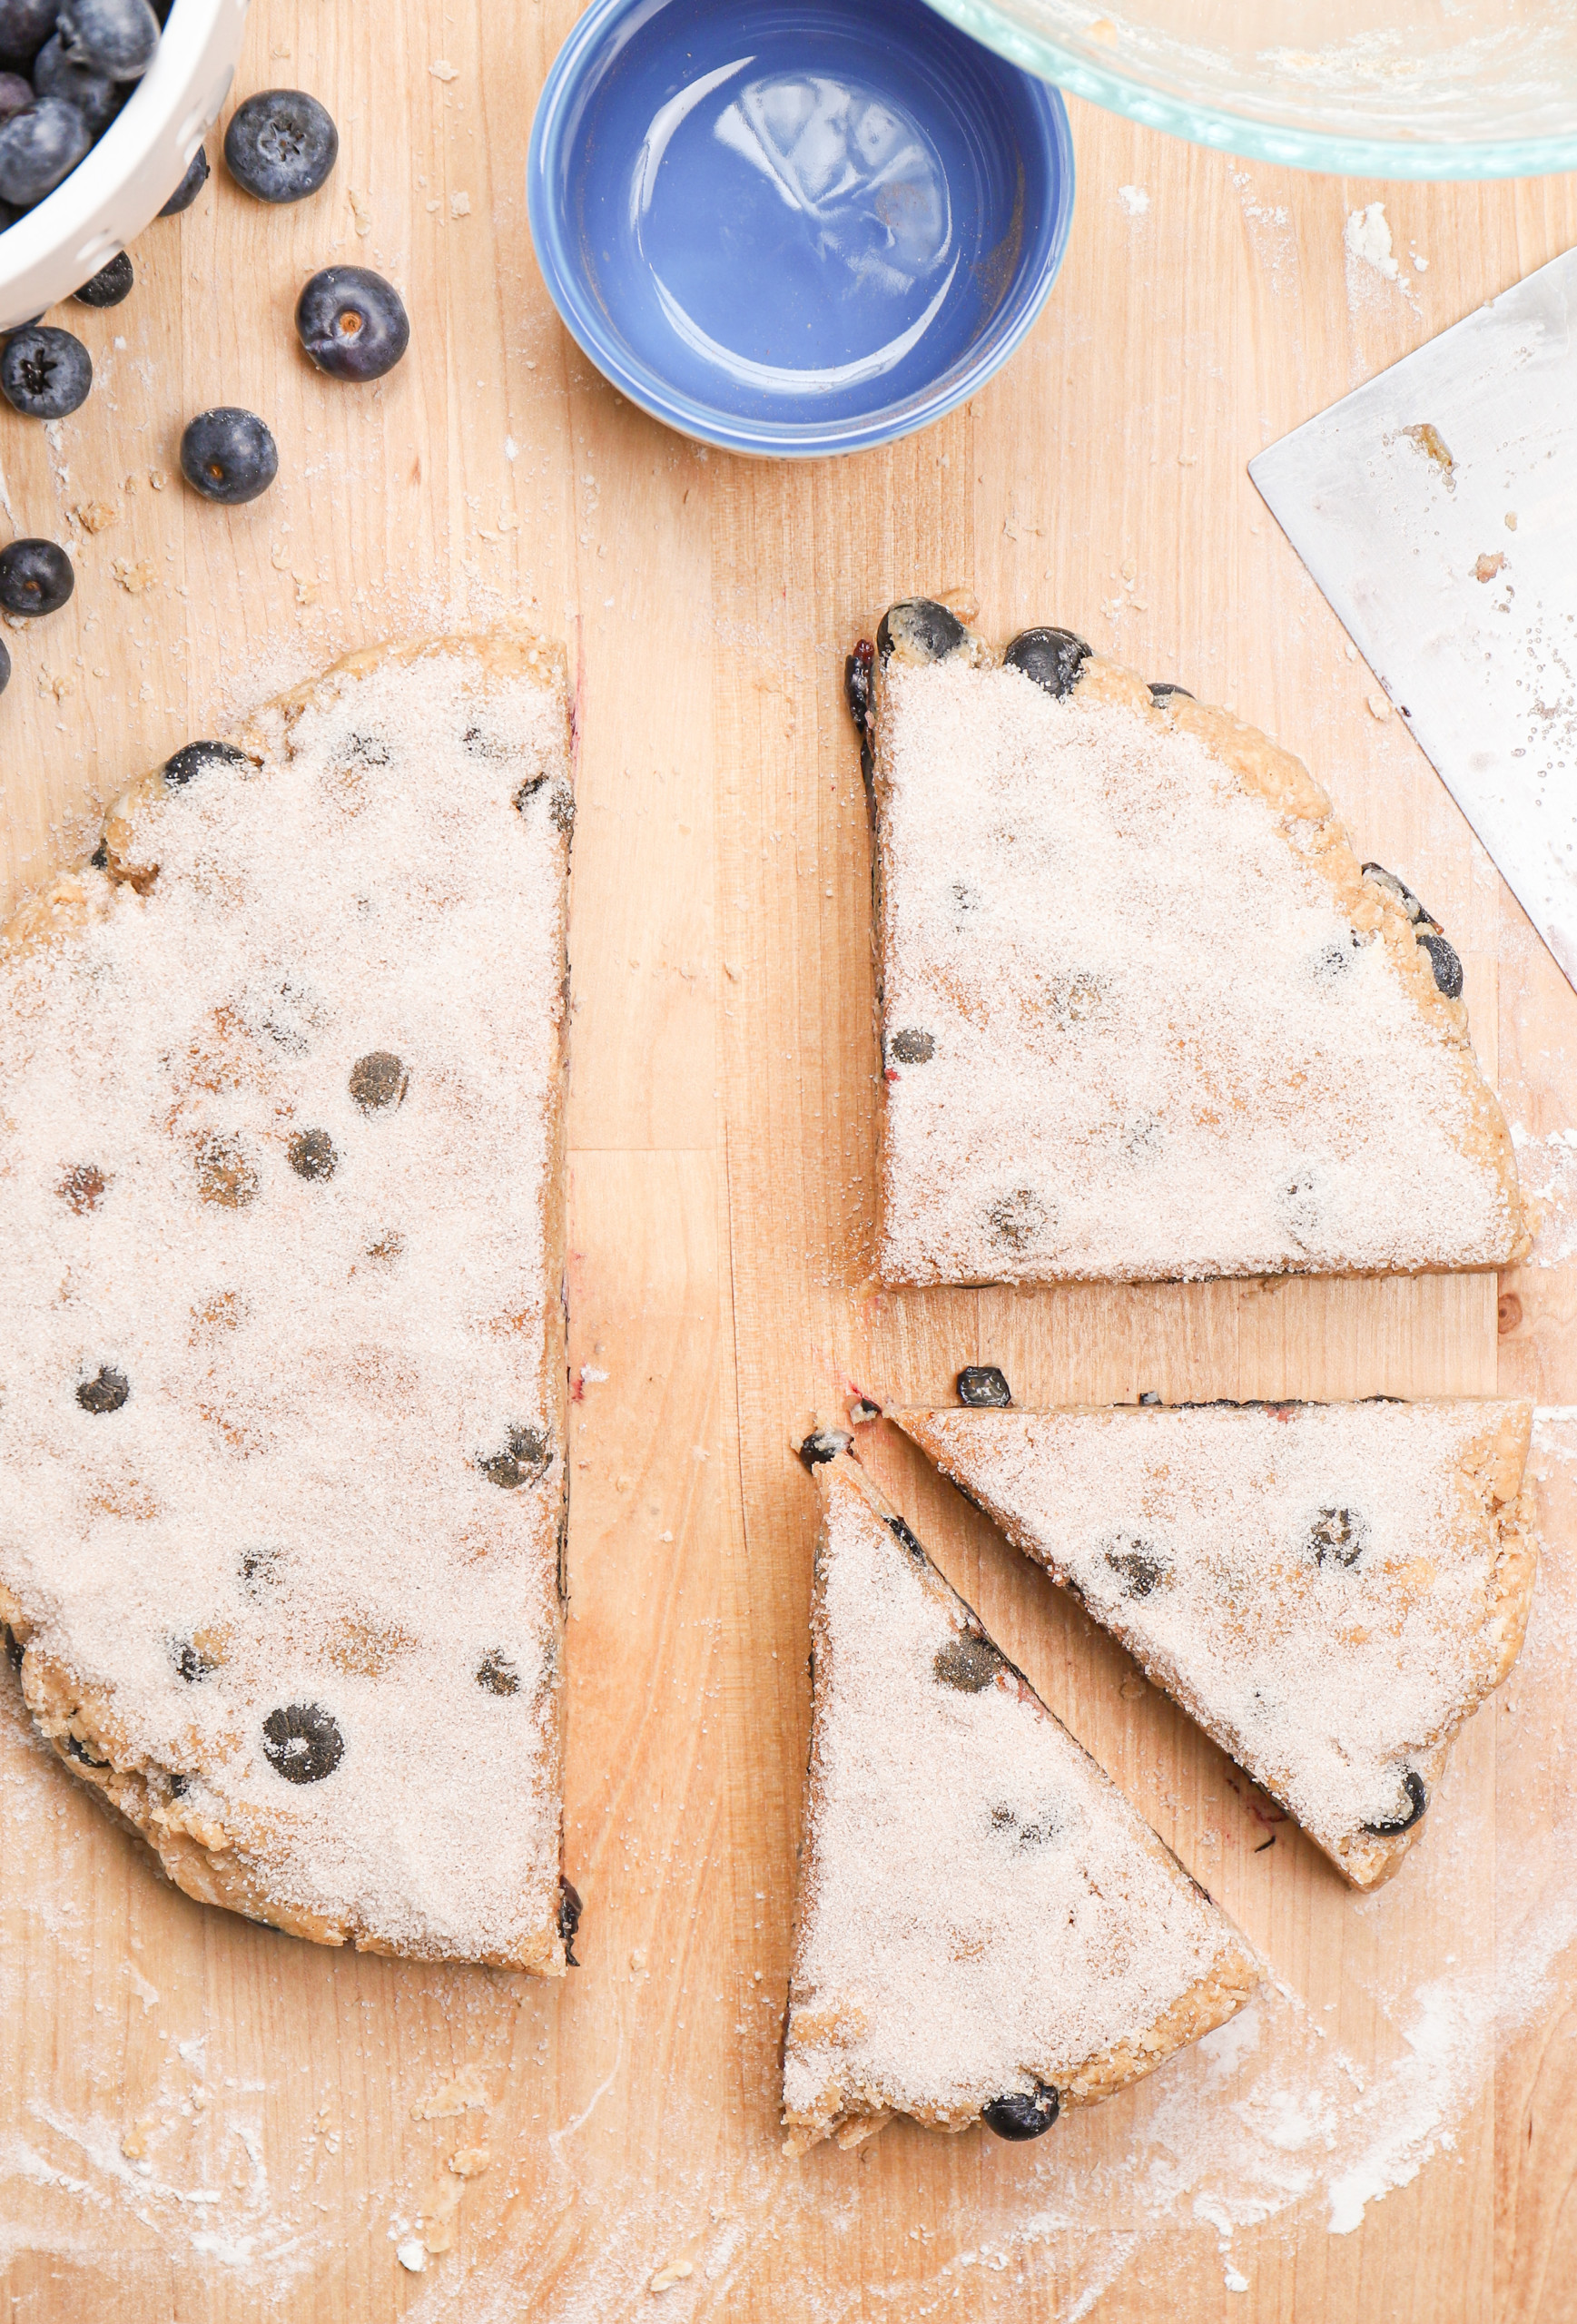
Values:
[(205, 2121)]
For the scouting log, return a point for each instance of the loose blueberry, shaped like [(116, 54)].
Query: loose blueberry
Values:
[(824, 1445), (379, 1080), (1137, 1566), (1017, 1218), (225, 1175), (1444, 960), (16, 96), (967, 1662), (1417, 1801), (1022, 2114), (569, 1912), (919, 630), (40, 147), (5, 669), (44, 372), (191, 185), (302, 1743), (193, 759), (109, 285), (83, 1187), (36, 577), (312, 1154), (913, 1046), (106, 1392), (498, 1674), (57, 73), (1053, 658), (115, 37), (352, 323), (983, 1387), (281, 145), (523, 1459), (1338, 1537), (25, 25), (228, 455)]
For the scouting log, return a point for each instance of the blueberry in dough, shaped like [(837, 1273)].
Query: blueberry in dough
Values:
[(1137, 1565), (302, 1743), (106, 1392), (312, 1154), (823, 1445), (1417, 1801), (523, 1459), (913, 1046), (1338, 1537), (379, 1080), (496, 1674), (1053, 658), (983, 1386), (193, 759), (919, 630), (1017, 1218), (1022, 2114), (1165, 690), (569, 1912), (1445, 961), (967, 1662)]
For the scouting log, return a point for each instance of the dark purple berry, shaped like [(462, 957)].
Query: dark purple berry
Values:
[(109, 286), (5, 669), (1338, 1537), (570, 1909), (1051, 657), (312, 1154), (57, 73), (379, 1080), (496, 1674), (106, 1392), (228, 455), (24, 27), (967, 1662), (191, 185), (302, 1743), (823, 1445), (913, 1046), (1164, 690), (36, 577), (1022, 2114), (926, 631), (16, 95), (193, 1663), (1417, 1801), (984, 1386), (193, 759), (281, 145), (44, 372), (115, 37), (1136, 1565), (352, 323), (38, 148), (1445, 962), (523, 1459)]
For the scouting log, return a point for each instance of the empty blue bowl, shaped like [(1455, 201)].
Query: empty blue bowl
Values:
[(798, 228)]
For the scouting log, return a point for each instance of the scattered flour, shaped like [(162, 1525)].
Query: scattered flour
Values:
[(1135, 200)]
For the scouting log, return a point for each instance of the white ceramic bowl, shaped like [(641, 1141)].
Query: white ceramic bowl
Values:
[(125, 180)]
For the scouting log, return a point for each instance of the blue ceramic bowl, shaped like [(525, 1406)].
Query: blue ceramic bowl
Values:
[(796, 226)]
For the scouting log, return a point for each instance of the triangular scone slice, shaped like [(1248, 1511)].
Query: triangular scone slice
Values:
[(283, 1479), (984, 1924), (1143, 1013), (1330, 1589)]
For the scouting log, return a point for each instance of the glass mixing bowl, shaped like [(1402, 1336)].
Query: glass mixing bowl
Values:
[(1369, 88)]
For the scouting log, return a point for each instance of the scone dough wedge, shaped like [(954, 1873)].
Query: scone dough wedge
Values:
[(1330, 1589), (282, 1383), (985, 1929), (1143, 1013)]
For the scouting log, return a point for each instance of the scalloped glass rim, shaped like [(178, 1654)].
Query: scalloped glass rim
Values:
[(1252, 140)]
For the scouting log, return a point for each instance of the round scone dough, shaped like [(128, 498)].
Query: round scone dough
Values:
[(283, 1479)]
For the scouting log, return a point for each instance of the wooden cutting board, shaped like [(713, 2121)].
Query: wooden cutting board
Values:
[(207, 2121)]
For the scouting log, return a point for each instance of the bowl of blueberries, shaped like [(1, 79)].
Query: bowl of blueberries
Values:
[(103, 105)]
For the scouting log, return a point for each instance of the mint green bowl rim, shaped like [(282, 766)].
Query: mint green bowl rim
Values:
[(1240, 133)]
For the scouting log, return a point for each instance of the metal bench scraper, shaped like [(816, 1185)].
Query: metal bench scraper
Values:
[(1436, 508)]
